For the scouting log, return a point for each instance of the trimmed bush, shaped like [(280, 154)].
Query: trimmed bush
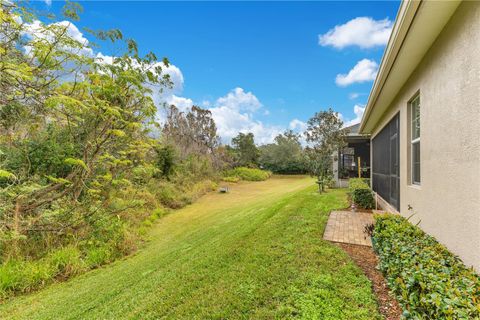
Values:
[(428, 281), (249, 174), (361, 193)]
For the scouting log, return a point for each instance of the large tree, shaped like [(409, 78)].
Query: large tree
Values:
[(325, 137), (285, 155), (245, 150), (191, 132), (72, 126)]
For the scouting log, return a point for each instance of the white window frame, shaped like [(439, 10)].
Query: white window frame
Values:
[(414, 141)]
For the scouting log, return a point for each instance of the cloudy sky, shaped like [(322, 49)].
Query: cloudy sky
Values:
[(261, 67)]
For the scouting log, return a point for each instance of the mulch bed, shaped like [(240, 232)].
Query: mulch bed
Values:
[(366, 259)]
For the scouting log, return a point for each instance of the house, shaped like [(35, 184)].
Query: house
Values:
[(423, 115), (354, 159)]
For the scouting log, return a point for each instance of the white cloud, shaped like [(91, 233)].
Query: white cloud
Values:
[(48, 2), (358, 110), (353, 95), (297, 125), (38, 31), (364, 32), (230, 122), (180, 102), (364, 70), (238, 99), (235, 112)]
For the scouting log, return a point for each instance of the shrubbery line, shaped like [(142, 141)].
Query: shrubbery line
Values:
[(428, 280), (361, 193)]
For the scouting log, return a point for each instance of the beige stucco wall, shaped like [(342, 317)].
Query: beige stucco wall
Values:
[(448, 79)]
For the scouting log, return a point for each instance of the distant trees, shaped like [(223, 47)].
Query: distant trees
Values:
[(325, 136), (285, 155)]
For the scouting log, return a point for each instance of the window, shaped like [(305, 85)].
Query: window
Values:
[(415, 140)]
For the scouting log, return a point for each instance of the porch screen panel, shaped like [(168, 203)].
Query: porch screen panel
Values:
[(385, 163)]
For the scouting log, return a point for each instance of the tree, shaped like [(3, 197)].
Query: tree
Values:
[(246, 152), (285, 155), (325, 137), (193, 132), (71, 126)]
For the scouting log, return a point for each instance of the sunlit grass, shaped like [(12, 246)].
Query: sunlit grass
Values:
[(255, 252)]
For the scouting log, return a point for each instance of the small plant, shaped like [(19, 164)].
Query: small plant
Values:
[(361, 193)]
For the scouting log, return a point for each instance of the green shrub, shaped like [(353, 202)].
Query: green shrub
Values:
[(363, 198), (249, 174), (157, 214), (233, 179), (24, 276), (97, 256), (169, 195), (12, 276), (428, 281), (66, 261), (358, 183), (367, 181), (361, 193)]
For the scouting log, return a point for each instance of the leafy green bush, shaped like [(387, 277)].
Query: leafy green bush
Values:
[(169, 195), (428, 281), (17, 275), (233, 179), (363, 198), (249, 174), (67, 261), (24, 276), (358, 183), (361, 193), (97, 256)]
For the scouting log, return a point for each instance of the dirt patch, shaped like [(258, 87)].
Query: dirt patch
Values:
[(366, 259)]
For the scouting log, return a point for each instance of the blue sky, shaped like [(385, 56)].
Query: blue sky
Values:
[(259, 66)]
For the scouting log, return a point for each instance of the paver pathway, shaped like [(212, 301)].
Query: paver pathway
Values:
[(348, 227)]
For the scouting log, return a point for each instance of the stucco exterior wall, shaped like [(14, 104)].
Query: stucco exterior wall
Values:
[(448, 79)]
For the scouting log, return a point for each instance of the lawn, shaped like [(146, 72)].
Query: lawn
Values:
[(253, 253)]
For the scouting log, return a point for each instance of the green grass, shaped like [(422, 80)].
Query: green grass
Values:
[(253, 253)]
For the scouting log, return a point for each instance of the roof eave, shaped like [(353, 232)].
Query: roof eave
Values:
[(416, 27)]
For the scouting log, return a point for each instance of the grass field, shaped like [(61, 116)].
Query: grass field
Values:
[(253, 253)]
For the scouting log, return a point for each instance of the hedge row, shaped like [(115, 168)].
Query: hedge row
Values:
[(361, 193), (428, 281), (248, 174)]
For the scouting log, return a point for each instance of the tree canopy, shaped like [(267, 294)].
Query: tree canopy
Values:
[(285, 155), (325, 137), (244, 149)]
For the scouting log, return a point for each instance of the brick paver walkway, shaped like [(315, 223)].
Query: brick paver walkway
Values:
[(347, 227)]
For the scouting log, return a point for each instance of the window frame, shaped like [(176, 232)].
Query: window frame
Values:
[(414, 122)]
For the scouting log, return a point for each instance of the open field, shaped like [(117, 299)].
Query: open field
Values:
[(255, 252)]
